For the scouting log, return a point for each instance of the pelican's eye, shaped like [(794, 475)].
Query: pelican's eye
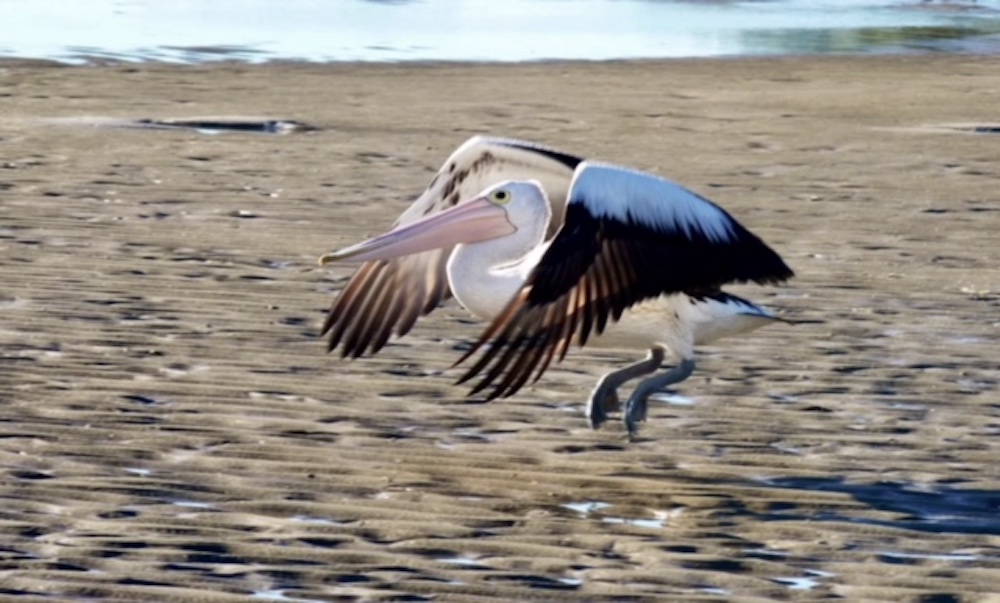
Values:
[(501, 197)]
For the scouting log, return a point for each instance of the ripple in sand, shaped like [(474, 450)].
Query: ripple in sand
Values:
[(673, 399), (468, 562), (322, 521), (279, 595), (193, 504), (10, 303), (658, 522), (897, 556), (587, 507), (807, 582)]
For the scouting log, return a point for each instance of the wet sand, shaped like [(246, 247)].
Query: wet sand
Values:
[(172, 429)]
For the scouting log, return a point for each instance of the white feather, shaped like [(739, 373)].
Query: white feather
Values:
[(622, 194)]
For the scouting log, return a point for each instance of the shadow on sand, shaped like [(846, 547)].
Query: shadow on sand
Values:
[(939, 509)]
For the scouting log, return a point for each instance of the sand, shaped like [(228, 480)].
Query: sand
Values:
[(171, 428)]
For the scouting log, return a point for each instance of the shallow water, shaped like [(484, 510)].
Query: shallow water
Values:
[(517, 30)]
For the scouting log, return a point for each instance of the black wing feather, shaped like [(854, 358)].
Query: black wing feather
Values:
[(610, 265)]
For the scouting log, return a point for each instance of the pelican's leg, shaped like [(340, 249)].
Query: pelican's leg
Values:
[(635, 408), (604, 398)]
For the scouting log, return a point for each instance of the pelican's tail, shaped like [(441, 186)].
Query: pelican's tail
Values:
[(722, 314)]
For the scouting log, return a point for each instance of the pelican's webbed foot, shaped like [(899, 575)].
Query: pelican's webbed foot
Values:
[(636, 407), (604, 398)]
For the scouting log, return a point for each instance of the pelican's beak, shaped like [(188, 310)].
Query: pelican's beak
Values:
[(474, 220)]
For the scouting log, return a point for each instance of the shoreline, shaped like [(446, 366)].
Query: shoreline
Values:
[(109, 62)]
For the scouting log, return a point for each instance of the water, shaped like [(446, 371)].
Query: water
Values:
[(514, 30)]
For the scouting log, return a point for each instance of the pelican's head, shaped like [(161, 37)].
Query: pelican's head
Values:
[(520, 199), (498, 211)]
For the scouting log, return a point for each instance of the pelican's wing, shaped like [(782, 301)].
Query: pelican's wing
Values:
[(387, 297), (627, 236)]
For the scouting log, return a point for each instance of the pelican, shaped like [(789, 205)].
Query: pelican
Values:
[(551, 249)]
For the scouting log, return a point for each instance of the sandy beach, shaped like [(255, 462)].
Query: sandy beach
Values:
[(171, 428)]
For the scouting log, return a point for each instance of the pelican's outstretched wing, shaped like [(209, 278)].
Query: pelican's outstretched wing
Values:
[(383, 298), (627, 236)]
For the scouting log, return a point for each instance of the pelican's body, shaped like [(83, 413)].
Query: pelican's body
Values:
[(620, 271)]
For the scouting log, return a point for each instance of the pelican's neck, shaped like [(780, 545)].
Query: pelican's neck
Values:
[(484, 276)]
